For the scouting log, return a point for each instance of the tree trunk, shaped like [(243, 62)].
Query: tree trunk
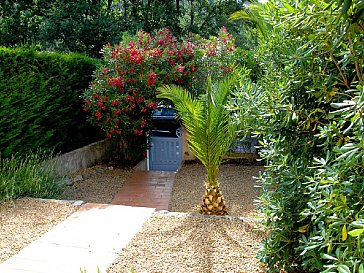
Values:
[(177, 8), (109, 3), (125, 13), (192, 15)]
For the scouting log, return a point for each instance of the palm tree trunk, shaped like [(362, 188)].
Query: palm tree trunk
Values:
[(213, 202)]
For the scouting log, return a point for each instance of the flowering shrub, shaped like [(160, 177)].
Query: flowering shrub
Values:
[(121, 98), (215, 55)]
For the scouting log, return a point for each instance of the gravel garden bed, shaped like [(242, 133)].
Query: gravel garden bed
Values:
[(97, 184), (190, 242), (236, 182), (168, 242)]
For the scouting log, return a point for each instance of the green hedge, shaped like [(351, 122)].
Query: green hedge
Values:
[(40, 101)]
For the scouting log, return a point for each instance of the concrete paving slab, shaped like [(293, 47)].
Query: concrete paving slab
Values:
[(89, 239)]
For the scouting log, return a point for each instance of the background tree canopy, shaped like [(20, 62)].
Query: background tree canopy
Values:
[(86, 25)]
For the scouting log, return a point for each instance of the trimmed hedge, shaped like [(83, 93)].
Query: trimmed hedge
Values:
[(40, 101)]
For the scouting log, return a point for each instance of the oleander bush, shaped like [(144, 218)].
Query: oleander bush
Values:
[(30, 175), (308, 108), (121, 97), (41, 104)]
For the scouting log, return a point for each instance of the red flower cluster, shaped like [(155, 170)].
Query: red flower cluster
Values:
[(152, 78), (121, 98)]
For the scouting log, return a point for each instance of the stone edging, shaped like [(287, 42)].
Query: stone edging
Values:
[(198, 215), (77, 203)]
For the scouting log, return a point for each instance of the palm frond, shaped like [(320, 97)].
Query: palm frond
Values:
[(252, 14), (207, 121), (182, 100)]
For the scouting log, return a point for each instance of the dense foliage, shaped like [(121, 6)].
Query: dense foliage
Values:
[(121, 98), (40, 103), (308, 108), (86, 25)]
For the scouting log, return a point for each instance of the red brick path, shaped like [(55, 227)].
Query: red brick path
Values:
[(146, 189)]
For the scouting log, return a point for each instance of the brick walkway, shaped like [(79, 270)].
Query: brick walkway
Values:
[(146, 189)]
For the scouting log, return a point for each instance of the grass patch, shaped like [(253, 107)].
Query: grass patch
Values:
[(32, 175)]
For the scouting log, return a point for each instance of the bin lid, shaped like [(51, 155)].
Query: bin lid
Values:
[(164, 112)]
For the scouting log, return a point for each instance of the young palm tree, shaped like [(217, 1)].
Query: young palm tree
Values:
[(211, 131)]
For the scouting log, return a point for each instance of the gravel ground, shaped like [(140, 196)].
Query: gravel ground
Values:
[(236, 182), (25, 220), (168, 242), (190, 242), (193, 243), (99, 184)]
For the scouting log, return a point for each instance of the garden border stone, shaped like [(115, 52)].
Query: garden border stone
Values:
[(77, 203), (199, 215)]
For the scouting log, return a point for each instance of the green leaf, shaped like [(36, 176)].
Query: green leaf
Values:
[(355, 232), (342, 268), (361, 268), (343, 104), (303, 229), (207, 121), (344, 233), (328, 257), (288, 7)]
